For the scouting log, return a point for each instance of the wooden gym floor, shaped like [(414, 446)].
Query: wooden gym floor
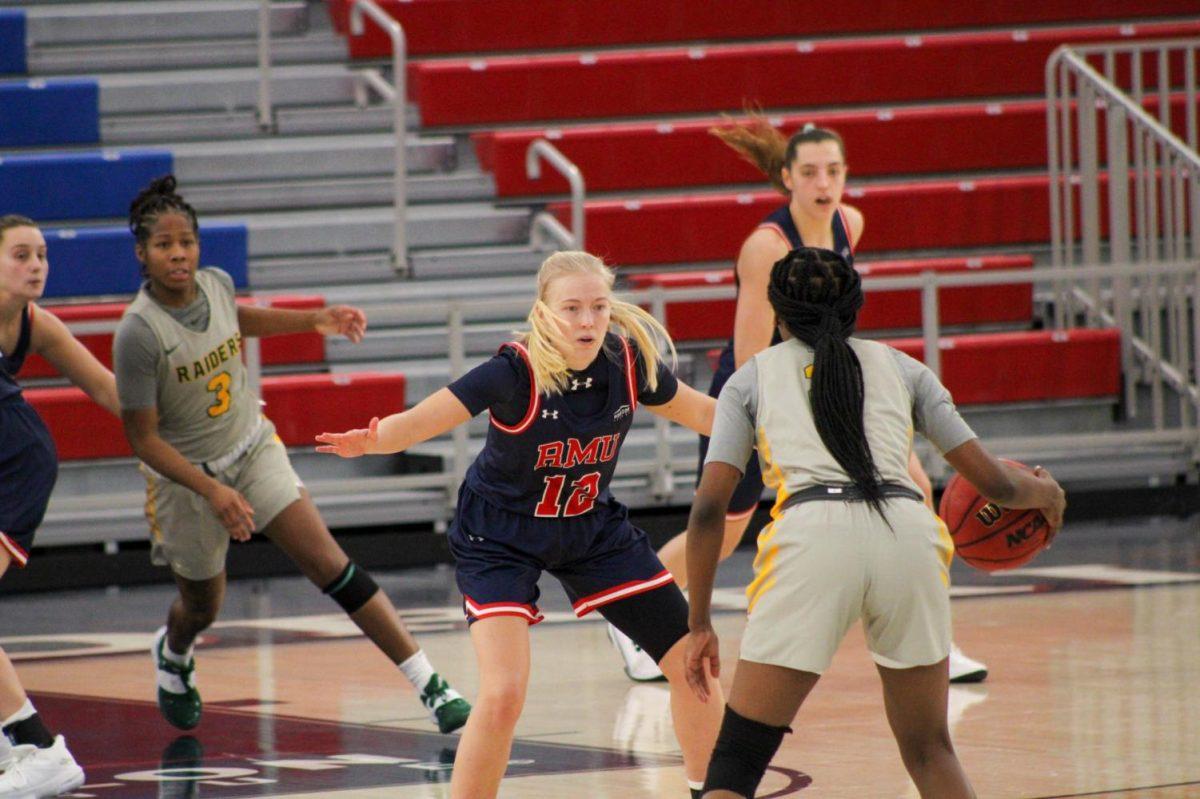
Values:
[(1094, 689)]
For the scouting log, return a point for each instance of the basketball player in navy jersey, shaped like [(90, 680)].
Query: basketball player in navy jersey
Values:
[(537, 498), (34, 762), (810, 170)]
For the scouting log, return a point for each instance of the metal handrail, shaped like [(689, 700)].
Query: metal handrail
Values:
[(398, 99), (266, 115), (540, 148), (546, 226), (1153, 201)]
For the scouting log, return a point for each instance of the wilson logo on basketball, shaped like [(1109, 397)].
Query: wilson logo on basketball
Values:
[(989, 514)]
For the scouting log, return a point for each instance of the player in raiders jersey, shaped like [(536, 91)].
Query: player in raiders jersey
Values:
[(214, 468), (537, 498)]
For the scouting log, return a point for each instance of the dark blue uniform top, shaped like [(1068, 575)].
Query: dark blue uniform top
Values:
[(554, 456), (11, 363), (28, 461)]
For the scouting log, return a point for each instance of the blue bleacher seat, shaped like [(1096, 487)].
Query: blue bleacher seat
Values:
[(58, 111), (92, 185), (12, 41), (87, 262)]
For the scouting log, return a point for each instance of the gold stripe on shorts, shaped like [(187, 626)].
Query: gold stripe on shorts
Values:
[(151, 507), (764, 567), (948, 547)]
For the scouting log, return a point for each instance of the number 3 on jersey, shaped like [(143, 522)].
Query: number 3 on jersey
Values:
[(219, 385), (583, 495)]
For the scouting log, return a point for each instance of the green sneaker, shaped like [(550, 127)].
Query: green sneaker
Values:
[(178, 699), (447, 709)]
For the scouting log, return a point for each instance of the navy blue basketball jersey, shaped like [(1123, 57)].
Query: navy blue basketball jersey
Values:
[(554, 463), (780, 220), (11, 362)]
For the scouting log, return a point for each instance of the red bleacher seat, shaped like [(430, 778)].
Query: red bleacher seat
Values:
[(884, 310), (457, 26), (901, 141), (296, 348), (681, 80), (1033, 366), (995, 368), (300, 405), (900, 216)]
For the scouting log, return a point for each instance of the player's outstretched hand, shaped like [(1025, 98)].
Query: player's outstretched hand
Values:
[(701, 661), (342, 320), (1055, 510), (235, 513), (352, 443)]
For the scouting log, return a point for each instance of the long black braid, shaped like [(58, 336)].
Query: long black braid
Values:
[(817, 296), (151, 202)]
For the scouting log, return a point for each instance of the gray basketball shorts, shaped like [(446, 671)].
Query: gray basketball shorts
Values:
[(188, 536)]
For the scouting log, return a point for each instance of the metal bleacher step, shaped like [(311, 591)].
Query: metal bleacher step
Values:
[(336, 192), (159, 20), (242, 124), (309, 157), (369, 229), (230, 89), (495, 259), (490, 261), (75, 58)]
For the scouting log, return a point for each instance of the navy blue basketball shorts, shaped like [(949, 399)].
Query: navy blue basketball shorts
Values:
[(602, 560), (28, 469), (749, 491)]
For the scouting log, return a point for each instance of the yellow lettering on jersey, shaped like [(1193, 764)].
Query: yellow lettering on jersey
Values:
[(181, 374), (230, 348), (219, 385)]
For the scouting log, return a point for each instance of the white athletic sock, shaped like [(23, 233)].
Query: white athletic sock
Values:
[(5, 751), (418, 670), (175, 657), (26, 711), (696, 785)]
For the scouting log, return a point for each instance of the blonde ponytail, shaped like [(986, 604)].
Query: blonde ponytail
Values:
[(547, 343)]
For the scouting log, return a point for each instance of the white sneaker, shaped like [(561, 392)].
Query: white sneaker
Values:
[(38, 773), (964, 669), (639, 666)]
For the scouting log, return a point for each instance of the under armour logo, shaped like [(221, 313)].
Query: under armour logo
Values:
[(549, 414), (576, 384)]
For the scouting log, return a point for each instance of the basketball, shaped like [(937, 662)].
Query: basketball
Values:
[(987, 536)]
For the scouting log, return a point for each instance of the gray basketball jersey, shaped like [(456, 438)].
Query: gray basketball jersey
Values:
[(205, 407), (790, 450)]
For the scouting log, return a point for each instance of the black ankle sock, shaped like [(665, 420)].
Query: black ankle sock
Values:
[(697, 793), (30, 731)]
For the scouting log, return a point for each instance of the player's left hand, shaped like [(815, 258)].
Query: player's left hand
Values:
[(701, 661), (342, 320)]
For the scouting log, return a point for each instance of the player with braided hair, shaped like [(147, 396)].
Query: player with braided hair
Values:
[(809, 168), (214, 468), (832, 418)]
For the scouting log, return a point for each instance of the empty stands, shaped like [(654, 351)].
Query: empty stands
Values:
[(458, 26), (728, 76)]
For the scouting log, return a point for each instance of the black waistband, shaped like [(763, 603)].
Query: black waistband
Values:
[(849, 493)]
